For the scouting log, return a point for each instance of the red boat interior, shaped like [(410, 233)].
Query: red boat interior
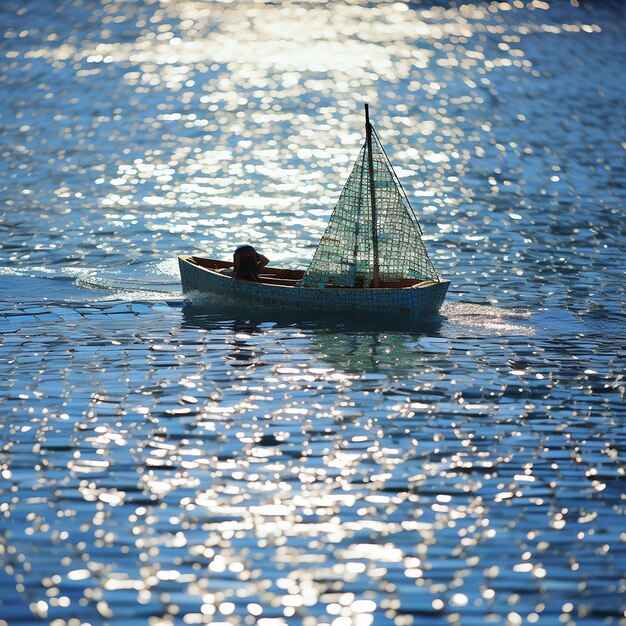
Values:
[(289, 278)]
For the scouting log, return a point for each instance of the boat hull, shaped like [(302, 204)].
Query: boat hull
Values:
[(422, 299)]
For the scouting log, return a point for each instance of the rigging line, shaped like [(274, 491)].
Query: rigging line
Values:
[(393, 173), (412, 213)]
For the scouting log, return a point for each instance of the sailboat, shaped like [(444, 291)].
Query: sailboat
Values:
[(371, 259)]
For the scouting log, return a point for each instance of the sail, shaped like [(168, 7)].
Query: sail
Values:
[(352, 243)]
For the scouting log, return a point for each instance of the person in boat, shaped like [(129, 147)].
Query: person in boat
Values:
[(247, 262)]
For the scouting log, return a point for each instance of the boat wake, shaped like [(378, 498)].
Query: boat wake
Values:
[(488, 318), (555, 322), (147, 281)]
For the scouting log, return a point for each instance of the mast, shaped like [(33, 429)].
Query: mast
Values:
[(370, 163)]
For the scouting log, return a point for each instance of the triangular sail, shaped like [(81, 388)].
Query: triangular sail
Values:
[(346, 255)]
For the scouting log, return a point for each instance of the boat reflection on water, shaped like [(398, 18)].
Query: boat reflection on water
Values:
[(354, 345)]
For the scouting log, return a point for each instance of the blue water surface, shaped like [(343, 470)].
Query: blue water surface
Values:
[(165, 461)]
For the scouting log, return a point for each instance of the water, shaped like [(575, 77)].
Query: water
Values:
[(169, 463)]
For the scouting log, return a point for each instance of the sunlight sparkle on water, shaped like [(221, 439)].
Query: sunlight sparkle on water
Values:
[(197, 466)]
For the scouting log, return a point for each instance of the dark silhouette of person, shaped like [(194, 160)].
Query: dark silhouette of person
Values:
[(247, 262)]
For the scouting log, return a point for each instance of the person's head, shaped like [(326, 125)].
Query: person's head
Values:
[(245, 262)]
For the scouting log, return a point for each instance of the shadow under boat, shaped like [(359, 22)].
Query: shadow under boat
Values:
[(352, 344), (199, 309)]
